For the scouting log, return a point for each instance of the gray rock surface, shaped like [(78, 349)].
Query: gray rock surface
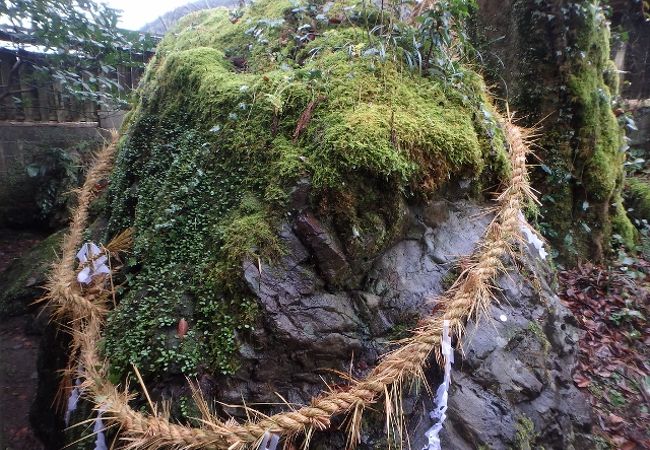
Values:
[(511, 384), (639, 136)]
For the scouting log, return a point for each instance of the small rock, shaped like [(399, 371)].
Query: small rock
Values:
[(328, 254)]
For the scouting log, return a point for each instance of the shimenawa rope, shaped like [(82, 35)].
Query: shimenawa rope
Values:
[(83, 310)]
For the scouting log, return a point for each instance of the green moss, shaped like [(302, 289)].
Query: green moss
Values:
[(230, 116), (637, 198), (622, 227), (612, 78), (249, 236), (599, 137), (525, 435), (536, 330), (571, 95), (20, 283)]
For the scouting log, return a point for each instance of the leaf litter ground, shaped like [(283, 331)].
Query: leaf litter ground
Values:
[(611, 306)]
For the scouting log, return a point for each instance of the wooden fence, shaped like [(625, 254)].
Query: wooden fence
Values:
[(31, 97)]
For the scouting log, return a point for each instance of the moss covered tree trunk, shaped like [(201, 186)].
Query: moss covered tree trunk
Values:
[(550, 60)]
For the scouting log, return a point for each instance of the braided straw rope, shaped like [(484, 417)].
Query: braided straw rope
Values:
[(471, 294)]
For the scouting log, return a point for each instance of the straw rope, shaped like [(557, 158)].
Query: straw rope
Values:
[(84, 312), (62, 288)]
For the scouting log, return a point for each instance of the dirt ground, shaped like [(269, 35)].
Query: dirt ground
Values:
[(18, 352)]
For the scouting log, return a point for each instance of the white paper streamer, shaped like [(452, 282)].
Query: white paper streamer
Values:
[(269, 441), (93, 261), (442, 394), (532, 237), (98, 429), (73, 400)]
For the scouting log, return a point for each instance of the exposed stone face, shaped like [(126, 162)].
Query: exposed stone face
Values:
[(517, 373), (329, 256), (511, 384)]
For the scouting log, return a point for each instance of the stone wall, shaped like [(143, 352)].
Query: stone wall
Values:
[(23, 144)]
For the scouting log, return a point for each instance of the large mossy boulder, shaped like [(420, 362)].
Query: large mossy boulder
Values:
[(242, 122), (300, 195), (637, 198)]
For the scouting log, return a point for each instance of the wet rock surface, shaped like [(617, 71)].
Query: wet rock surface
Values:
[(511, 384)]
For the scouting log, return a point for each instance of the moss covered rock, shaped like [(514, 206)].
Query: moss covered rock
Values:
[(637, 198), (555, 70), (241, 121), (20, 283)]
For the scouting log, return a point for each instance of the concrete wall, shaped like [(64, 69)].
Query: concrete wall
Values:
[(25, 143)]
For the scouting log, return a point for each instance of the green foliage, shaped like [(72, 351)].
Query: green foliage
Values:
[(230, 117), (188, 411), (59, 171), (439, 41), (181, 240), (82, 42)]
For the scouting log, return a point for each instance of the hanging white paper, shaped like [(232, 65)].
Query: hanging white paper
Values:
[(73, 400), (269, 441), (93, 261), (532, 237), (442, 394), (98, 429)]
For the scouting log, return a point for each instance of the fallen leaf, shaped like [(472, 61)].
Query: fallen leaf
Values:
[(580, 381), (614, 419), (182, 328)]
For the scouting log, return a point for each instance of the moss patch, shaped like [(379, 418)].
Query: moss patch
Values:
[(20, 283), (536, 330), (623, 228), (599, 137), (637, 198), (525, 435), (230, 116)]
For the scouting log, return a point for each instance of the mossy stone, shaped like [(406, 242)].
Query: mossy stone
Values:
[(231, 114), (20, 283), (561, 80), (637, 198)]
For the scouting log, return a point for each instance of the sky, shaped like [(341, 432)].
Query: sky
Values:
[(137, 13)]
